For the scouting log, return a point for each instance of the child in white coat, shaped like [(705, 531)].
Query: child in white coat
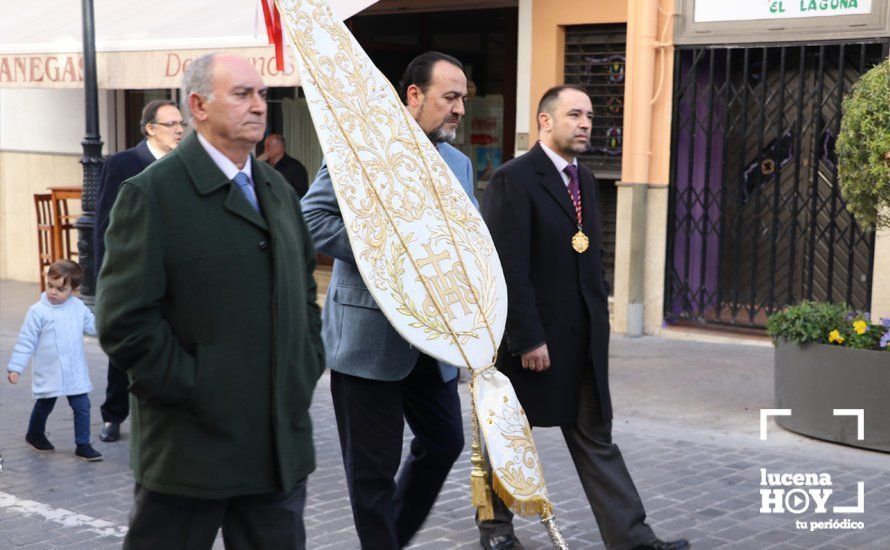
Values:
[(53, 334)]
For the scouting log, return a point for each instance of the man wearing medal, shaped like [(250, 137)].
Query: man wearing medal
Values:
[(543, 213)]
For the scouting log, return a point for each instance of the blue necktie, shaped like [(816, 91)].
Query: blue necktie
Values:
[(243, 183)]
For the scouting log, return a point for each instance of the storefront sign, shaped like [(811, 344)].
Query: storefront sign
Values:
[(128, 70), (52, 71), (711, 11)]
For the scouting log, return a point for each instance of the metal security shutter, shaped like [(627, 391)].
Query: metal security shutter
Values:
[(756, 220), (595, 60)]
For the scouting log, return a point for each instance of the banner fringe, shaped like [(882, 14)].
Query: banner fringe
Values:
[(537, 506)]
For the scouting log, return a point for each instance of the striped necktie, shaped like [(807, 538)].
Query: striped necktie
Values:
[(244, 184)]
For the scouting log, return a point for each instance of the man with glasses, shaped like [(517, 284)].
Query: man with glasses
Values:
[(162, 127)]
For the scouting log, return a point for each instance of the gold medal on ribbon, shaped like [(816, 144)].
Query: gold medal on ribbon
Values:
[(580, 242)]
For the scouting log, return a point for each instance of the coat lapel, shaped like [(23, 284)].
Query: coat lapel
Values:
[(208, 178), (144, 154), (553, 182), (270, 202), (238, 205)]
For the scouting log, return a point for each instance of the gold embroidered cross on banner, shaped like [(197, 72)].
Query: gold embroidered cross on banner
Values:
[(446, 285)]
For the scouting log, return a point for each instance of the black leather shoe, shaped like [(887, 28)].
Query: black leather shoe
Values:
[(658, 544), (110, 432), (503, 542)]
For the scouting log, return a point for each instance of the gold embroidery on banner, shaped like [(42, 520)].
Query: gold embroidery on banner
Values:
[(386, 174), (522, 471), (372, 164), (433, 326), (449, 287)]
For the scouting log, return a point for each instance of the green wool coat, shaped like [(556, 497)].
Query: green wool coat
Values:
[(211, 310)]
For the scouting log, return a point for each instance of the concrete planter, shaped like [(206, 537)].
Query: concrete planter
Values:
[(813, 379)]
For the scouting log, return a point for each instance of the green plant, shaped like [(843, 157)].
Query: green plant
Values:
[(806, 322), (826, 323), (863, 148)]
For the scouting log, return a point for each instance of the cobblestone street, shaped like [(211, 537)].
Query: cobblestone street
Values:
[(686, 418)]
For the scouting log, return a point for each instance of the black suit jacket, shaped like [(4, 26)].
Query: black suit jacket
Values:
[(556, 296), (295, 174), (118, 168)]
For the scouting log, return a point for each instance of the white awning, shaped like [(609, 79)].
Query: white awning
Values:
[(138, 44)]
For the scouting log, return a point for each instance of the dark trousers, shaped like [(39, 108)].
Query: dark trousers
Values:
[(610, 491), (117, 399), (80, 404), (254, 522), (371, 417)]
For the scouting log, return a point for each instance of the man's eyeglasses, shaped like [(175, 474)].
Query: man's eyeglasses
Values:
[(173, 124)]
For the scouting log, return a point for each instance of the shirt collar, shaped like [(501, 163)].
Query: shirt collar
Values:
[(558, 161), (223, 162), (154, 152)]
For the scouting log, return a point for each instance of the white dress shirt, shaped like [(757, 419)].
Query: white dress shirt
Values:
[(559, 162), (223, 162), (154, 152)]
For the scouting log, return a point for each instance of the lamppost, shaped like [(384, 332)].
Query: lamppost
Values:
[(92, 156)]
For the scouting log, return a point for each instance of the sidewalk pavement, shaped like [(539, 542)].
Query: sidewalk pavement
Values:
[(686, 419)]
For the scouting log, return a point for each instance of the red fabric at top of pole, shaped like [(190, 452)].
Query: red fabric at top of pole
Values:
[(273, 30)]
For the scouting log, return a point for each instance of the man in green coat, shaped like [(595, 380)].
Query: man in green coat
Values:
[(207, 295)]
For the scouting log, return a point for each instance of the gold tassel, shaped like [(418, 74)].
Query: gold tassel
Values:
[(479, 488)]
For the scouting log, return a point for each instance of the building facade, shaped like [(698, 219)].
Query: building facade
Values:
[(713, 139), (727, 206)]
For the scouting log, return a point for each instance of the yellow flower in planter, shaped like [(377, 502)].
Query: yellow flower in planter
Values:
[(860, 327), (835, 337)]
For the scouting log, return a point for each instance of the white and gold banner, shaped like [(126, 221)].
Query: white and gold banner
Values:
[(511, 452), (421, 247)]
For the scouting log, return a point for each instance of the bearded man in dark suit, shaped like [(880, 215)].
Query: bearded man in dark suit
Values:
[(543, 213), (162, 127), (379, 381)]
